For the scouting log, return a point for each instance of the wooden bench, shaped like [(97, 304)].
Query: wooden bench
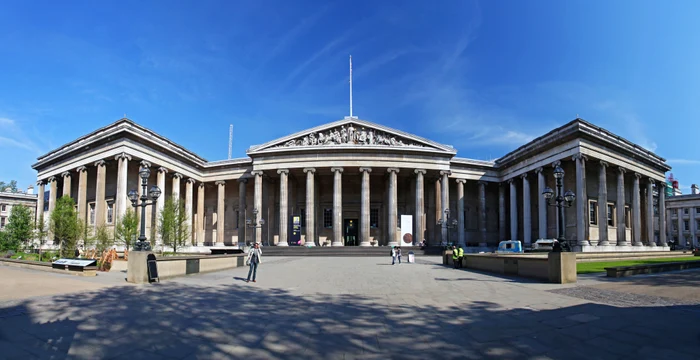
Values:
[(620, 271)]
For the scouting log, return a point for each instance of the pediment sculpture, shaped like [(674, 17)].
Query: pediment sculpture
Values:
[(349, 136)]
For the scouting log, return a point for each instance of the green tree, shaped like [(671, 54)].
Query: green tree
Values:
[(19, 226), (65, 226), (4, 243), (103, 240), (12, 185), (40, 232), (172, 225), (127, 229)]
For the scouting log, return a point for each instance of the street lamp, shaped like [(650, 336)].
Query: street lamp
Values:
[(560, 201), (254, 224), (448, 225), (146, 195)]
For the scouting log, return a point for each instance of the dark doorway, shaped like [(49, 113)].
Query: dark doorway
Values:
[(350, 232)]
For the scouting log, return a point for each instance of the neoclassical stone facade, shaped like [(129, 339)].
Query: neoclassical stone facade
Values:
[(353, 182)]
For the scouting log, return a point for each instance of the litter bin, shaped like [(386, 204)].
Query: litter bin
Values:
[(411, 257)]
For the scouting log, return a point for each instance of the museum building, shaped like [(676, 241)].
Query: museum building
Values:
[(354, 182)]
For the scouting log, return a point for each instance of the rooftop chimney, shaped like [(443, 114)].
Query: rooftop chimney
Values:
[(30, 190), (694, 189)]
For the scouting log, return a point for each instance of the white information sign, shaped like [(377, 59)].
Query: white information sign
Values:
[(406, 230), (74, 262)]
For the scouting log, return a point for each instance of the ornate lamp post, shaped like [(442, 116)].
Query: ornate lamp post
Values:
[(254, 224), (449, 225), (147, 198), (560, 201)]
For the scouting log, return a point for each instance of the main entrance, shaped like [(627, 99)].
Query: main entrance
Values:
[(350, 232)]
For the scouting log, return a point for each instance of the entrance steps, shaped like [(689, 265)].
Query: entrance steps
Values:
[(369, 251)]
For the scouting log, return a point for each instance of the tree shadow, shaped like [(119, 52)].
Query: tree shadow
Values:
[(174, 320)]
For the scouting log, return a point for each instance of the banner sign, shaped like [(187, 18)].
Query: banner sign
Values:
[(406, 230), (75, 262)]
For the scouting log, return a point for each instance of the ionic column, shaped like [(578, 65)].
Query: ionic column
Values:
[(581, 200), (200, 214), (66, 183), (542, 205), (438, 212), (52, 193), (122, 202), (445, 202), (603, 205), (257, 203), (82, 194), (310, 239), (460, 212), (636, 212), (364, 207), (100, 204), (176, 186), (501, 212), (40, 201), (284, 207), (338, 206), (189, 185), (393, 211), (513, 209), (160, 204), (527, 218), (482, 212), (242, 211), (650, 213), (220, 212), (661, 188), (420, 206), (681, 238), (621, 236)]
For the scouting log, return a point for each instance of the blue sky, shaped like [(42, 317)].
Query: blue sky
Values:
[(484, 77)]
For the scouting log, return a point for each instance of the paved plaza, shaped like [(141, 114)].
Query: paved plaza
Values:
[(348, 308)]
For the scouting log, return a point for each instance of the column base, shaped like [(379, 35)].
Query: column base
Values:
[(604, 243), (365, 243), (623, 243), (282, 243), (652, 244), (337, 243), (219, 245), (637, 244)]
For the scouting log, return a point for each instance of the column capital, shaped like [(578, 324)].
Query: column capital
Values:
[(604, 164), (309, 170), (65, 173), (283, 171), (482, 182), (100, 163), (621, 170), (145, 163), (243, 180), (523, 176), (163, 170), (366, 169), (579, 156), (51, 179), (445, 172), (122, 156), (256, 173), (201, 185), (539, 170), (191, 180), (81, 169), (461, 181), (220, 182), (556, 163), (177, 175), (40, 183), (337, 169), (511, 180), (392, 170), (420, 171), (651, 181), (638, 176)]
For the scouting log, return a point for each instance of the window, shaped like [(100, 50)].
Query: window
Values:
[(2, 222), (611, 215), (327, 218), (110, 212), (628, 223), (303, 217), (686, 225), (3, 208), (374, 218), (697, 211), (593, 212), (685, 211), (92, 214), (674, 212), (656, 210), (674, 227), (697, 224)]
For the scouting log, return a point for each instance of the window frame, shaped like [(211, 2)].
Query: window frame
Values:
[(3, 208), (593, 205), (328, 218), (92, 212), (3, 222), (109, 212), (686, 225), (628, 217), (686, 211), (612, 216), (374, 218)]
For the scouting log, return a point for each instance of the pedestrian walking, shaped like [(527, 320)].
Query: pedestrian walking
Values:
[(398, 253), (254, 258), (393, 255)]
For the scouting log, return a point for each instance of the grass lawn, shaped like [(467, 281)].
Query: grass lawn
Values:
[(594, 267)]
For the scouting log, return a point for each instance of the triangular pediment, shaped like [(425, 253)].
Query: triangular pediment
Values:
[(351, 133)]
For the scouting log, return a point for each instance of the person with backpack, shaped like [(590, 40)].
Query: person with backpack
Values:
[(254, 258)]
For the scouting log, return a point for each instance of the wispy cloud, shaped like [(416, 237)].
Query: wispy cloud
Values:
[(13, 136), (683, 162)]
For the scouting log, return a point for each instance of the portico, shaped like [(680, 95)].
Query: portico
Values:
[(353, 182)]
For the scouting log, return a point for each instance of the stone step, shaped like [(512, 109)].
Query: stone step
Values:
[(346, 251)]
